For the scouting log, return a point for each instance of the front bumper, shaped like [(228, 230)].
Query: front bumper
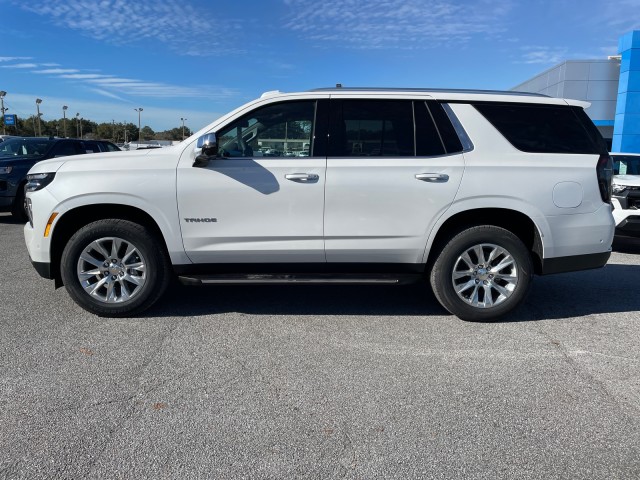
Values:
[(43, 269)]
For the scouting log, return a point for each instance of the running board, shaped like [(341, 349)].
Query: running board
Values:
[(308, 279)]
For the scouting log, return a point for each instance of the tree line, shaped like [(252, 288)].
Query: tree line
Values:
[(117, 132)]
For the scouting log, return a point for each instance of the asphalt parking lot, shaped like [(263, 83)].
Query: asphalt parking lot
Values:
[(321, 382)]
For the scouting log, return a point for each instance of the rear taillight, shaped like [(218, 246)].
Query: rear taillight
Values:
[(604, 170)]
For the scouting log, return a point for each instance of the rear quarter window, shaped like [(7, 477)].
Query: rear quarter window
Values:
[(544, 128)]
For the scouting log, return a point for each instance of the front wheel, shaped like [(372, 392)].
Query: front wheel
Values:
[(19, 209), (114, 268), (483, 273)]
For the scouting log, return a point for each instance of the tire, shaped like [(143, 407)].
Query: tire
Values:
[(18, 211), (464, 284), (115, 268)]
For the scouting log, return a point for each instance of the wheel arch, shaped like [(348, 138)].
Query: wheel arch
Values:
[(74, 219), (516, 222)]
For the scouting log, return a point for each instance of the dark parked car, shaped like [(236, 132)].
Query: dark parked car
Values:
[(18, 155)]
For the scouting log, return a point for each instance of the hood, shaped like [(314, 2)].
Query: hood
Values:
[(108, 161), (627, 180)]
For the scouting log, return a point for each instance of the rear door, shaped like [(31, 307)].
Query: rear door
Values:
[(391, 173)]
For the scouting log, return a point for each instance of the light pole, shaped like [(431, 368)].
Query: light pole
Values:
[(64, 120), (183, 119), (139, 131), (38, 102), (2, 94), (77, 125)]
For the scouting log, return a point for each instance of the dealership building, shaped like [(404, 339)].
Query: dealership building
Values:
[(611, 85)]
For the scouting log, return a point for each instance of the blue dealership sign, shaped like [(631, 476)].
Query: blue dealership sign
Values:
[(10, 120)]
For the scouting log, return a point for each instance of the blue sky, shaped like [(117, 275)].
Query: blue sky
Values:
[(199, 59)]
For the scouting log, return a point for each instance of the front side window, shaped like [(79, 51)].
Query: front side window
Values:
[(277, 130)]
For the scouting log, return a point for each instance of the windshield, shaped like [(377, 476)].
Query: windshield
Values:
[(24, 147), (625, 164)]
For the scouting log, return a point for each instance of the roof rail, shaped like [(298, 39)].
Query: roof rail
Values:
[(439, 90)]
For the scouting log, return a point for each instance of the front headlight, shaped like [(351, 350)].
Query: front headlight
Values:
[(38, 181), (618, 188), (5, 170)]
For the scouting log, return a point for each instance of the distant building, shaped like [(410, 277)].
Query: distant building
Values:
[(612, 86)]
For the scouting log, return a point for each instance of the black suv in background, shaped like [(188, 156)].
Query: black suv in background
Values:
[(18, 155)]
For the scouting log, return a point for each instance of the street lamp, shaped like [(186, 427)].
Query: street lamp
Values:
[(2, 94), (183, 119), (139, 131), (38, 102), (77, 125), (64, 120)]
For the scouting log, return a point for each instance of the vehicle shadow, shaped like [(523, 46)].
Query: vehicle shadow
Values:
[(626, 245), (562, 296), (401, 300), (7, 218)]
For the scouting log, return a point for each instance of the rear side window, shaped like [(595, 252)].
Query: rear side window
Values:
[(390, 128), (544, 128), (378, 129), (91, 147), (63, 149)]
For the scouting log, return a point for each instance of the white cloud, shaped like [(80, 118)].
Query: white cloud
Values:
[(396, 24), (21, 65), (120, 88), (13, 59), (54, 71), (177, 24), (543, 55)]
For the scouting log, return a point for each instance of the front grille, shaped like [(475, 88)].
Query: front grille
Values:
[(633, 199)]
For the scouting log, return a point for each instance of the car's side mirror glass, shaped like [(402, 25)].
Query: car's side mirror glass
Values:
[(208, 146)]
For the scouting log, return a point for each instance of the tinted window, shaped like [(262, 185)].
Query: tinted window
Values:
[(428, 140), (626, 165), (448, 133), (25, 146), (63, 149), (91, 147), (544, 128), (378, 128), (277, 130)]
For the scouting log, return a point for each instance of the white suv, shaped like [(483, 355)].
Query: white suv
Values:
[(474, 190)]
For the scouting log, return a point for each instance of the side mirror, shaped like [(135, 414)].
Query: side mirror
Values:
[(209, 144), (209, 149)]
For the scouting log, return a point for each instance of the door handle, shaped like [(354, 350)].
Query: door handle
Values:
[(433, 177), (302, 177)]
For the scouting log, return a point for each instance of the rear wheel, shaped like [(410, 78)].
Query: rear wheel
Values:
[(483, 273), (114, 268)]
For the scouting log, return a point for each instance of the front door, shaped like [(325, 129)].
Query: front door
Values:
[(262, 200)]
